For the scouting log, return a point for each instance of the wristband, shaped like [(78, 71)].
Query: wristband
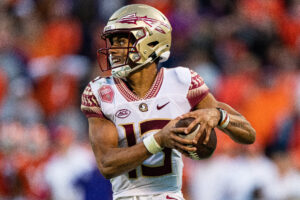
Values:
[(224, 118), (151, 145), (221, 115)]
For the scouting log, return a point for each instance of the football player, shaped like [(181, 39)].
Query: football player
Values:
[(132, 113)]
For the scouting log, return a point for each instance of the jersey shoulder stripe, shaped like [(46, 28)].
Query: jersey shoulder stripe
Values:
[(89, 104), (197, 90)]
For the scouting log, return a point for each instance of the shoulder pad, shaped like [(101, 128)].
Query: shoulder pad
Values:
[(183, 74)]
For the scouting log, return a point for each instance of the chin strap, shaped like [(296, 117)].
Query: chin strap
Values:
[(124, 71)]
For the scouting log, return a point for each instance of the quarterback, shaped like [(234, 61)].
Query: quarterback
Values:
[(133, 105)]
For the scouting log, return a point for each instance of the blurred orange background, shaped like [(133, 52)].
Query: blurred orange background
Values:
[(247, 51)]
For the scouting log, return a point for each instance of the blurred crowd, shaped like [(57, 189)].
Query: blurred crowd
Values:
[(247, 51)]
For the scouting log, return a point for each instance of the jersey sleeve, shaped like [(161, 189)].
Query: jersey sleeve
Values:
[(197, 90), (89, 104)]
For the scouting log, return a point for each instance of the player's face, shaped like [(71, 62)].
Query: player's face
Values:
[(119, 50)]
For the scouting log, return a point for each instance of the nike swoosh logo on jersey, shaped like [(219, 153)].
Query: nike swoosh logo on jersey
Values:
[(168, 197), (160, 107)]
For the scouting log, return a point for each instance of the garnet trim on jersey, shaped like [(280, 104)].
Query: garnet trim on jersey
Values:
[(198, 89), (89, 103), (130, 96)]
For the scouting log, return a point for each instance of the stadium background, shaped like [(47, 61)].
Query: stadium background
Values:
[(247, 51)]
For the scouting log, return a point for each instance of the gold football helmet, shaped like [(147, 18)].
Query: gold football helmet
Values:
[(151, 33)]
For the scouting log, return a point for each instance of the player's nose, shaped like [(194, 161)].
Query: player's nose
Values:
[(112, 51)]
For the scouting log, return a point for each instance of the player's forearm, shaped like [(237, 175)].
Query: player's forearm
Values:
[(117, 161), (240, 130)]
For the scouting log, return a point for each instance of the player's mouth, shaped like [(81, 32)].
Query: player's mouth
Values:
[(115, 60)]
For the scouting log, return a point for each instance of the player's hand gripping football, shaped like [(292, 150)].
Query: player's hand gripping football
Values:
[(167, 137), (207, 118)]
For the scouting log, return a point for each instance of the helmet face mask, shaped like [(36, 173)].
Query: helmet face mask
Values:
[(131, 57), (148, 32)]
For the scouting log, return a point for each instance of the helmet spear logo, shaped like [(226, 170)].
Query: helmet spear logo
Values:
[(133, 19)]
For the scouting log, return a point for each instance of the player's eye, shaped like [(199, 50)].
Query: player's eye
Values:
[(122, 42), (118, 41)]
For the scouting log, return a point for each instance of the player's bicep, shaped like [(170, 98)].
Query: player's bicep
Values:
[(102, 135), (210, 102)]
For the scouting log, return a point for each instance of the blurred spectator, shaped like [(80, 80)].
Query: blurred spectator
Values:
[(69, 161), (87, 12), (21, 105), (228, 176), (273, 100), (240, 80), (107, 7), (3, 85), (94, 185), (13, 158), (37, 146), (289, 26), (260, 12), (165, 6), (182, 20), (57, 81), (24, 151), (286, 183), (199, 62), (60, 37)]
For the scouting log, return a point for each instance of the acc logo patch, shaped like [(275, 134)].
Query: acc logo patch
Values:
[(123, 113), (106, 93)]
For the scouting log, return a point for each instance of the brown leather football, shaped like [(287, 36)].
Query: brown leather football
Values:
[(203, 151)]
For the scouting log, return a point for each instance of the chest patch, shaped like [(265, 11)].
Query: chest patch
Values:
[(106, 93)]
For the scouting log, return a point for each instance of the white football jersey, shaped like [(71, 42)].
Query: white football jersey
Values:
[(174, 92)]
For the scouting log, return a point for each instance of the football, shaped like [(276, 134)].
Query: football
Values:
[(203, 151)]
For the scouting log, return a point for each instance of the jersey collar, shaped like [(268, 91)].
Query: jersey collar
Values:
[(129, 95)]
